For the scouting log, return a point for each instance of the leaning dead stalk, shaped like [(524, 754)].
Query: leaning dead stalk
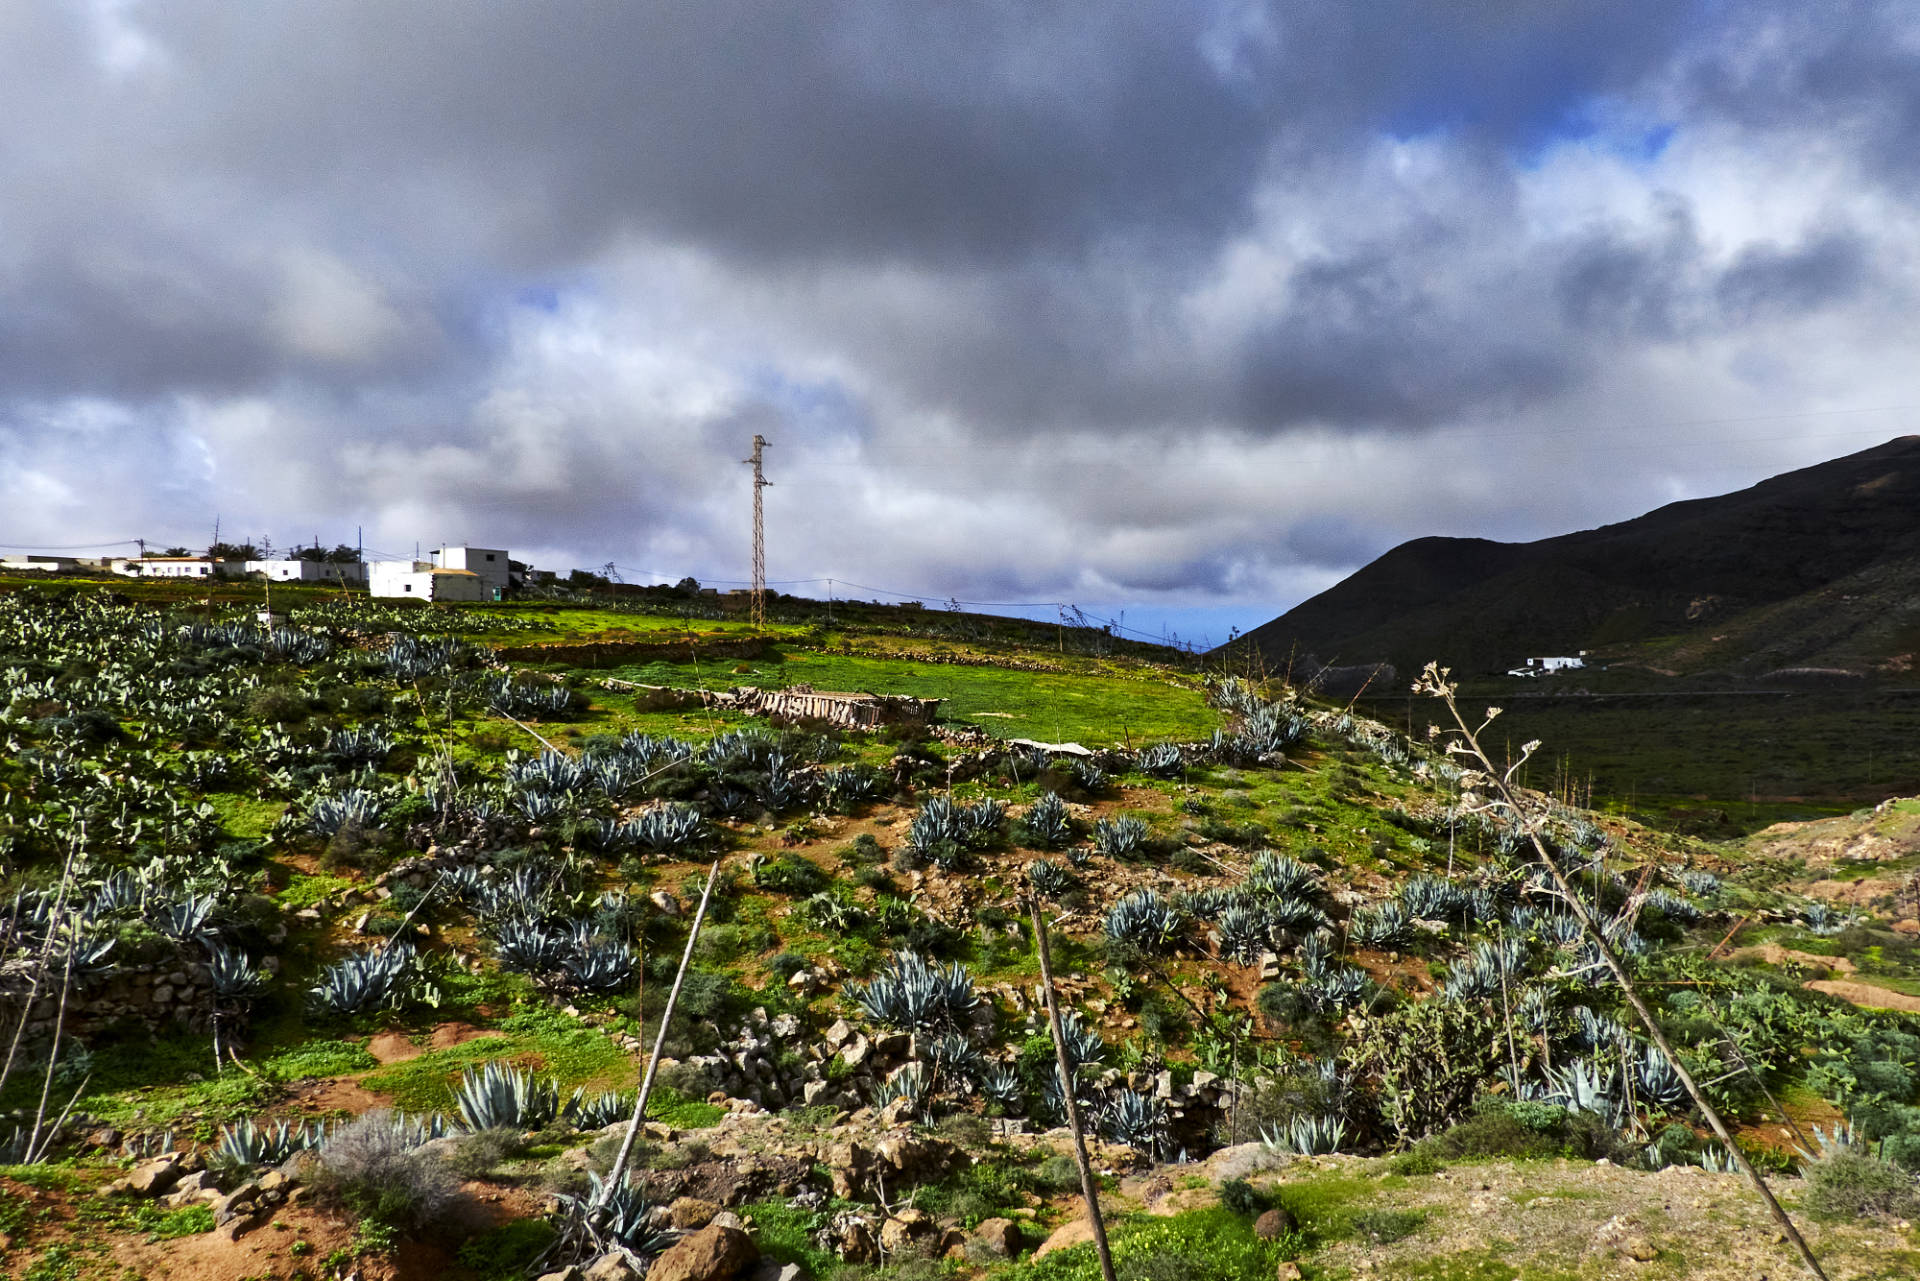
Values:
[(1433, 681), (1088, 1188), (619, 1169)]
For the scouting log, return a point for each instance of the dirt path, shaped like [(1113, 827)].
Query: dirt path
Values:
[(1867, 996)]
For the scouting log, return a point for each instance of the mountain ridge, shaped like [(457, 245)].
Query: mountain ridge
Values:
[(1673, 577)]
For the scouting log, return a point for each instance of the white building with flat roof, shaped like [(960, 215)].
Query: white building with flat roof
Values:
[(423, 580), (308, 571), (163, 566), (489, 564), (38, 564)]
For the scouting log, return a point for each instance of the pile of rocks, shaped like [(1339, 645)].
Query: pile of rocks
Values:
[(177, 1180)]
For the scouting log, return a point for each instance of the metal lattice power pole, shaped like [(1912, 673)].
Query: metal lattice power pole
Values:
[(760, 482)]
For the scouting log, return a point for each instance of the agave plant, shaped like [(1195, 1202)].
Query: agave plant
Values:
[(1161, 760), (1431, 898), (1048, 824), (1137, 1120), (955, 1059), (669, 829), (1245, 932), (327, 815), (916, 996), (368, 745), (186, 920), (499, 1096), (1306, 1134), (1491, 967), (911, 1084), (233, 976), (1705, 884), (610, 1218), (528, 947), (609, 1107), (532, 702), (1383, 927), (1338, 987), (1088, 777), (1658, 1082), (1581, 1086), (1279, 876), (1048, 878), (1000, 1085), (1144, 921), (598, 964), (1120, 838), (245, 1145), (845, 788), (365, 981)]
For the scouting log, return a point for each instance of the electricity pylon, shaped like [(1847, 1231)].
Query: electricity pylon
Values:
[(760, 482)]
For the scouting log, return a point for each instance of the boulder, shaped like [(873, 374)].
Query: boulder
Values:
[(568, 1273), (903, 1229), (151, 1178), (714, 1253), (1272, 1225), (1071, 1233), (1000, 1237)]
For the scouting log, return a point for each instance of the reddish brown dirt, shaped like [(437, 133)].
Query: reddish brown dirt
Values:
[(269, 1249), (338, 1094), (392, 1047), (447, 1035)]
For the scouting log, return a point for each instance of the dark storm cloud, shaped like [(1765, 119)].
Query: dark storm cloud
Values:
[(1017, 288)]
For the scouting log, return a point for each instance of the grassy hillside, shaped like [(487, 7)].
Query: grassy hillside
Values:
[(340, 848)]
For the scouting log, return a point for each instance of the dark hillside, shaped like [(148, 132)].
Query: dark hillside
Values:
[(1689, 568)]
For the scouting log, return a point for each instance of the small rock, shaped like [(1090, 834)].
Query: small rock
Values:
[(1639, 1249), (690, 1213), (728, 1219), (1289, 1271), (666, 902), (839, 1034), (611, 1266), (564, 1274)]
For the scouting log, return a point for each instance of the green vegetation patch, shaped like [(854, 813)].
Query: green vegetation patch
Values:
[(1200, 1245), (319, 1058), (543, 1040), (1047, 705)]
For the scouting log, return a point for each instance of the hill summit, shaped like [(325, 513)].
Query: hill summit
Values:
[(1818, 568)]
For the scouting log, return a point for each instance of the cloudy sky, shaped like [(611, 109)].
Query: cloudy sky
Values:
[(1182, 309)]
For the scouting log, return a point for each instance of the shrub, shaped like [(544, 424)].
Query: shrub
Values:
[(276, 705), (1238, 1196), (478, 1155), (1849, 1184), (374, 1168), (1384, 1227), (789, 874)]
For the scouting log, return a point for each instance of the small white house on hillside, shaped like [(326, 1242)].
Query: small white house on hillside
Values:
[(163, 566), (38, 564), (308, 571), (489, 564), (422, 580), (1549, 666)]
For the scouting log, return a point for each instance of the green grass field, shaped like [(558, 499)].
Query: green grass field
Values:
[(1055, 707)]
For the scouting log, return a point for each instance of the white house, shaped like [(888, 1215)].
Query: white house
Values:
[(1548, 666), (39, 564), (163, 566), (308, 571), (488, 563), (422, 580)]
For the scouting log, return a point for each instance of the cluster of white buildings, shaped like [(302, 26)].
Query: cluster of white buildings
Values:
[(459, 573), (1549, 665)]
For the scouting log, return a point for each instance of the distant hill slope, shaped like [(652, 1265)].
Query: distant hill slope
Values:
[(1817, 566)]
